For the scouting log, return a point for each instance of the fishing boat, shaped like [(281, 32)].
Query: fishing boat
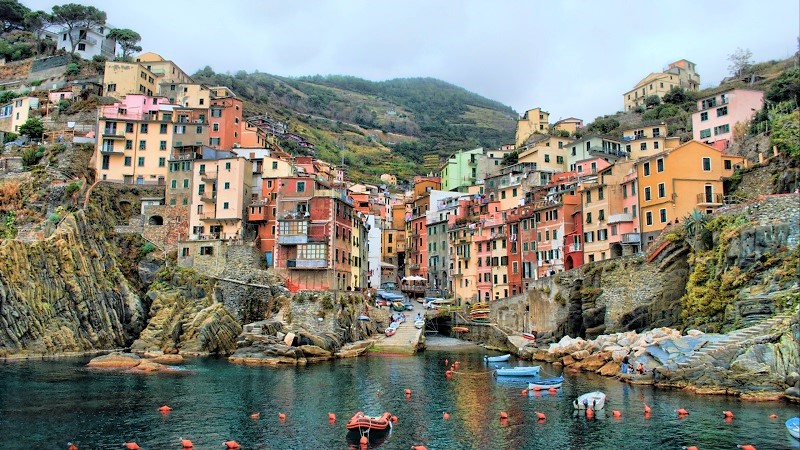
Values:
[(793, 425), (594, 400), (546, 383), (500, 358), (398, 306), (460, 329), (364, 425), (532, 371)]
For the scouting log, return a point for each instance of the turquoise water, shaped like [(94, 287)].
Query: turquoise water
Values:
[(44, 405)]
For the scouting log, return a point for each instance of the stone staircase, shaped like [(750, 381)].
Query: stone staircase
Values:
[(735, 338)]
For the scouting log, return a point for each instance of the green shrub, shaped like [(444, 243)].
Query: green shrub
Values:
[(63, 105), (29, 157), (55, 218), (9, 136), (148, 248), (72, 69), (72, 188)]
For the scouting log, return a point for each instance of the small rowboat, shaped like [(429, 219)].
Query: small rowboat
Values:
[(390, 332), (363, 317), (595, 400), (365, 424), (532, 371), (529, 336), (793, 425), (460, 329), (547, 383), (500, 358), (418, 324)]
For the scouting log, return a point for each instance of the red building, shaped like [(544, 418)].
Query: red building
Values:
[(225, 118)]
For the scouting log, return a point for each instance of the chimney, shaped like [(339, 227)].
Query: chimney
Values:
[(252, 155)]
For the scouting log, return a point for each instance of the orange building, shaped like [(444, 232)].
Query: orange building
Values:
[(225, 117)]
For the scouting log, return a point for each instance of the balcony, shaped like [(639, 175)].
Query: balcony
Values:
[(206, 216), (706, 199), (306, 263), (619, 218), (110, 149), (112, 133), (257, 213), (631, 238), (293, 239), (208, 177), (574, 248), (87, 40), (208, 198)]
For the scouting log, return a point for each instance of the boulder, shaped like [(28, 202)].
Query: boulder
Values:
[(580, 354), (593, 362), (694, 333), (169, 359), (314, 351), (567, 360), (792, 379), (115, 360), (150, 367), (609, 369)]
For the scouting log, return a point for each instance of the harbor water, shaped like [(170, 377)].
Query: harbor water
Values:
[(45, 404)]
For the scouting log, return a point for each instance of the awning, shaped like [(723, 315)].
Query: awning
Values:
[(413, 278), (386, 265)]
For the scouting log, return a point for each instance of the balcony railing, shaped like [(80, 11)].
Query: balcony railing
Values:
[(631, 238), (710, 199), (208, 177), (574, 248), (618, 218), (293, 239), (110, 133), (307, 263), (413, 267), (208, 198)]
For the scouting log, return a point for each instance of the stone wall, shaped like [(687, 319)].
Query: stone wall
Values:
[(769, 209), (173, 229)]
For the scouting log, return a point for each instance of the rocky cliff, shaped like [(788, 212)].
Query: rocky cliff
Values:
[(65, 293)]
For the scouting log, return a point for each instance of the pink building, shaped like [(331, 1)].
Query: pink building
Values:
[(717, 115)]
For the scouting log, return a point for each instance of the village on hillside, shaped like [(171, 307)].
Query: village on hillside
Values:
[(482, 226)]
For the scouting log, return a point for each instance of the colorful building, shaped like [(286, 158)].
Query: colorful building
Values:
[(463, 169), (225, 115), (533, 121), (674, 183), (14, 114), (717, 115), (679, 74), (646, 140)]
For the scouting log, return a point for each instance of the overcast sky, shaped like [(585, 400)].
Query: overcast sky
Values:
[(572, 58)]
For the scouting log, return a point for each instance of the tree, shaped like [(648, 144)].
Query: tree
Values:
[(76, 17), (786, 87), (652, 100), (126, 39), (603, 125), (786, 133), (740, 61), (12, 13), (32, 127), (676, 96), (36, 22)]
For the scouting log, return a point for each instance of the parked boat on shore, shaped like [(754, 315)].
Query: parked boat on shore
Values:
[(500, 358)]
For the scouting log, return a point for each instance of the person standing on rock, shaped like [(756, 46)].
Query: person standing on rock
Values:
[(626, 364)]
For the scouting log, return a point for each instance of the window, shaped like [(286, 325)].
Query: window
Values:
[(560, 159), (655, 145), (648, 217), (647, 193), (111, 87), (704, 116), (601, 216), (707, 164), (128, 144), (199, 129), (624, 191), (140, 161), (216, 112), (546, 158), (186, 184), (705, 133), (129, 128), (589, 217), (656, 132), (180, 129), (215, 127), (301, 186), (662, 190), (162, 162), (142, 145), (214, 141), (174, 184), (588, 196), (128, 161), (143, 128), (722, 129), (643, 146), (81, 46), (727, 164), (600, 195), (722, 111), (660, 165), (227, 185), (163, 128), (646, 169), (227, 166), (662, 215), (225, 205)]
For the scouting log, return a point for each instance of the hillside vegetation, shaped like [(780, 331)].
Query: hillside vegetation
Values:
[(375, 127)]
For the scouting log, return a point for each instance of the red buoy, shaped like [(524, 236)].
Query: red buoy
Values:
[(727, 414), (231, 444), (364, 440), (616, 414), (71, 446), (589, 412), (281, 417), (646, 409), (746, 447), (419, 447), (164, 408), (682, 412), (692, 447), (332, 417), (540, 415), (773, 416), (186, 443), (394, 419), (132, 446), (446, 415), (524, 392), (503, 415), (647, 415), (255, 415), (552, 390)]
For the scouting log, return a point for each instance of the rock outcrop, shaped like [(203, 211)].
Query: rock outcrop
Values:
[(65, 293)]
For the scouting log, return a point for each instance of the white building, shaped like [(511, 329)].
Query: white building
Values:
[(91, 42), (374, 250)]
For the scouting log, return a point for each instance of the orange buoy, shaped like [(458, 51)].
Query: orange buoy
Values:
[(540, 415), (332, 417), (503, 415), (255, 416), (418, 447), (746, 447), (682, 412), (524, 392), (727, 414), (446, 415), (364, 440), (692, 447), (616, 413), (394, 419), (132, 446), (537, 388), (552, 390), (646, 415), (646, 409), (281, 417), (186, 443), (773, 416), (71, 446), (408, 393), (164, 408), (231, 444)]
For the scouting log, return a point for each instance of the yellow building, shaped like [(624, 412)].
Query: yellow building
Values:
[(570, 125), (680, 74), (188, 95), (533, 121), (144, 76), (548, 152), (13, 115), (675, 182), (223, 189), (644, 141)]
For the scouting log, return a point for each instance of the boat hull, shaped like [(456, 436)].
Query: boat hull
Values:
[(518, 371), (594, 400), (793, 426), (546, 383), (362, 424), (500, 358)]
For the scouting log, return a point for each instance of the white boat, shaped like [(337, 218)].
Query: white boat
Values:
[(419, 323), (793, 425), (527, 371), (594, 400), (546, 383), (500, 358)]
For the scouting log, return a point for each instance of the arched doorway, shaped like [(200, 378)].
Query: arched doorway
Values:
[(616, 250), (155, 220), (568, 263)]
